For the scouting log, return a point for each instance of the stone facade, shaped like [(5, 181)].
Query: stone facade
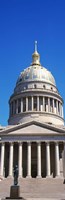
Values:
[(35, 137)]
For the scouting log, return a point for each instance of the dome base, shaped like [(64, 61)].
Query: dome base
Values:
[(41, 116)]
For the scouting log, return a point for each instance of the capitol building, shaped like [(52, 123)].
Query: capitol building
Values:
[(34, 139)]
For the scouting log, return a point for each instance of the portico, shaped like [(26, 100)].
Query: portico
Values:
[(35, 159)]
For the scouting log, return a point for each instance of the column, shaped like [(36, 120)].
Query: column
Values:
[(26, 104), (39, 160), (57, 166), (53, 105), (48, 104), (47, 159), (20, 160), (29, 160), (17, 107), (63, 157), (21, 105), (11, 160), (60, 110), (56, 107), (37, 103), (32, 103), (43, 103), (2, 159), (14, 107)]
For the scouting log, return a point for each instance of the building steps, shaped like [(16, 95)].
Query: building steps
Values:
[(35, 189)]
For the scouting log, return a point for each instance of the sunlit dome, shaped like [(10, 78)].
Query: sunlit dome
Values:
[(36, 71)]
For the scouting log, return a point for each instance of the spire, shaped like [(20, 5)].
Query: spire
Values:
[(35, 56), (35, 46)]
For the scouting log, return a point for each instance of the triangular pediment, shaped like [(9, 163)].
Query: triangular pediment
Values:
[(32, 127)]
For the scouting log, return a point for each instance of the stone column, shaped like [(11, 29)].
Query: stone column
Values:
[(2, 159), (21, 105), (53, 105), (56, 107), (37, 103), (14, 107), (48, 104), (57, 166), (60, 110), (38, 159), (47, 159), (29, 160), (20, 160), (17, 107), (43, 103), (26, 104), (32, 103), (11, 160)]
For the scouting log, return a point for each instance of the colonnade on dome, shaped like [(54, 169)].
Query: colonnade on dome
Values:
[(36, 103)]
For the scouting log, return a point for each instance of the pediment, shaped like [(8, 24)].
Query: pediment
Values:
[(33, 127)]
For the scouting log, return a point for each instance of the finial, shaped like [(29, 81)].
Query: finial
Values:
[(35, 46)]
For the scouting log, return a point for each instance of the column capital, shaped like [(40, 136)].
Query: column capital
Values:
[(56, 142), (3, 143), (11, 143), (20, 142), (38, 142), (29, 142), (47, 142)]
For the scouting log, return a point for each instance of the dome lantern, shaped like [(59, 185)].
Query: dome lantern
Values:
[(35, 56)]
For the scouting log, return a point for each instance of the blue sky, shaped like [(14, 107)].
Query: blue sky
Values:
[(21, 23)]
